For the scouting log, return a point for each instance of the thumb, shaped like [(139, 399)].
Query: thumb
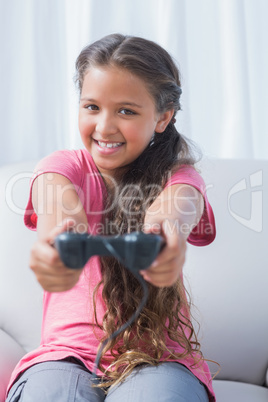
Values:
[(67, 225), (154, 228)]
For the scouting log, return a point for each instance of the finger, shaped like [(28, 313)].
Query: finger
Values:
[(166, 276), (175, 244), (53, 277), (45, 261), (161, 271), (43, 253), (168, 253), (52, 283), (154, 228)]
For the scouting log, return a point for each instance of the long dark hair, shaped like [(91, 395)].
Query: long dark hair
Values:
[(144, 342)]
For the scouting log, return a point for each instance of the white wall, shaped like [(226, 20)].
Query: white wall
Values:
[(220, 46)]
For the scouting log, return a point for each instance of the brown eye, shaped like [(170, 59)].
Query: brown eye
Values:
[(127, 112), (92, 107)]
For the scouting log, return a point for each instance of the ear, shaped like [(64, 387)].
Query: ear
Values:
[(163, 121)]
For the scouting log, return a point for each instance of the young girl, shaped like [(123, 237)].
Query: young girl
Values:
[(135, 173)]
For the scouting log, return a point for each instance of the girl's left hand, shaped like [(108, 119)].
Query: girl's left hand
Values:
[(168, 265)]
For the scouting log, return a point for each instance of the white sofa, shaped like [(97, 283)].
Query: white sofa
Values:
[(228, 279)]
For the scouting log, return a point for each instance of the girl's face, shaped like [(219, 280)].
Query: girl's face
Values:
[(117, 117)]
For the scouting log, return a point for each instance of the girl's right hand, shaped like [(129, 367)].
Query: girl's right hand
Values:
[(45, 262)]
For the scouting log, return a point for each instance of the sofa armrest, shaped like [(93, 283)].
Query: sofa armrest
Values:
[(11, 352)]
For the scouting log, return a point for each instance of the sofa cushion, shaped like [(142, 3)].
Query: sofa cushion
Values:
[(232, 391), (11, 352)]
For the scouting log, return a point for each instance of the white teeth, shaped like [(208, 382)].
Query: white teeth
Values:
[(102, 144), (109, 145)]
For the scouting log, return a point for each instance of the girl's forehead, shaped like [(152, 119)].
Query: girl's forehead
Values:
[(112, 72), (114, 79)]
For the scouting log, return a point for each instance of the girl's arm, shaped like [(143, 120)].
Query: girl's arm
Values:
[(174, 214), (58, 209)]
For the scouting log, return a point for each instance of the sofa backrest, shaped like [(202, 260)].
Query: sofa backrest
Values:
[(228, 279), (20, 294)]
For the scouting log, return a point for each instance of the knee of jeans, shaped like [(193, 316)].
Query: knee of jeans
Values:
[(159, 383)]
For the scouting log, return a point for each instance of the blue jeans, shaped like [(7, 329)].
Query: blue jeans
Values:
[(63, 381)]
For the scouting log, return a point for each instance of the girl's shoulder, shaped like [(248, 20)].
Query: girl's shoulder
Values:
[(77, 166), (63, 161), (185, 174)]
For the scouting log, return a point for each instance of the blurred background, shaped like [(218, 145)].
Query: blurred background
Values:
[(221, 48)]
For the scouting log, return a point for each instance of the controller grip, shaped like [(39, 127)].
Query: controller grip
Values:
[(72, 249)]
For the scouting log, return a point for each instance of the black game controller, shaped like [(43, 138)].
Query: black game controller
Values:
[(135, 250)]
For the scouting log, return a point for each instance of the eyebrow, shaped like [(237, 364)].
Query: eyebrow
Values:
[(119, 103)]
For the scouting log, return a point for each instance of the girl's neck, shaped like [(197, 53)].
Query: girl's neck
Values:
[(112, 178)]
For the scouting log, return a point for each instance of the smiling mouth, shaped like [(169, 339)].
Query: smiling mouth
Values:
[(109, 144)]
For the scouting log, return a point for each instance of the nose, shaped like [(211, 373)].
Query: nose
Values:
[(106, 124)]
